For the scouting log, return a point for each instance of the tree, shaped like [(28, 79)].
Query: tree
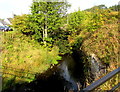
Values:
[(94, 8), (22, 23), (115, 7), (46, 17), (75, 21)]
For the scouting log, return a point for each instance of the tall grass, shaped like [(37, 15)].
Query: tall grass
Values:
[(23, 57), (104, 43)]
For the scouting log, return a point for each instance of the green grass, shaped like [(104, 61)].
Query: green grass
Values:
[(23, 57)]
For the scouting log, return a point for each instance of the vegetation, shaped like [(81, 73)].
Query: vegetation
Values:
[(115, 7), (21, 23), (40, 37), (104, 42), (23, 58)]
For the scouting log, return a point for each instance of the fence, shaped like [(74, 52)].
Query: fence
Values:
[(103, 80)]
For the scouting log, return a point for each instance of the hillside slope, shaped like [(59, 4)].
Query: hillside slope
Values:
[(104, 43)]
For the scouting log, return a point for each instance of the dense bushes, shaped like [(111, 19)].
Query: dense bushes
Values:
[(24, 57), (21, 23), (104, 43), (99, 35), (67, 29), (51, 32)]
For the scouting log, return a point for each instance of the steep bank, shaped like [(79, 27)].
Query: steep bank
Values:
[(23, 58), (104, 44)]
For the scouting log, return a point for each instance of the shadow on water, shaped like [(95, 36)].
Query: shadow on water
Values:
[(68, 76), (82, 67), (50, 81)]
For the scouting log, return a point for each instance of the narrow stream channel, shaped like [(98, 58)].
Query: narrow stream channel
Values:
[(65, 77)]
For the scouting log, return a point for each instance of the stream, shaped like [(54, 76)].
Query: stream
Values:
[(68, 76)]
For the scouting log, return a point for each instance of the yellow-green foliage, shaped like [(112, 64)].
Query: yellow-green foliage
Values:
[(22, 57), (21, 23), (104, 42), (108, 85)]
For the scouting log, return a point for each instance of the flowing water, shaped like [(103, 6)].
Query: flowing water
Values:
[(68, 76), (66, 71)]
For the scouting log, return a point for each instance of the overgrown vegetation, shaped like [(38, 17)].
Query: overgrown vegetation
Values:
[(38, 38), (104, 42), (23, 57)]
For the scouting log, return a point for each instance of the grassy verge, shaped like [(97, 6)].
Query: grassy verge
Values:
[(23, 58)]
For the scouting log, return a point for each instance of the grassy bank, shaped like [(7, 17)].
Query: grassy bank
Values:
[(23, 58), (104, 43)]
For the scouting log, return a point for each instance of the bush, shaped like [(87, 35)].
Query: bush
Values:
[(23, 58)]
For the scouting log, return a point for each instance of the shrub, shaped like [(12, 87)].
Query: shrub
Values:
[(23, 57)]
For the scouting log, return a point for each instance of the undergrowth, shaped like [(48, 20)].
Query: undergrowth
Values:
[(23, 58), (104, 42)]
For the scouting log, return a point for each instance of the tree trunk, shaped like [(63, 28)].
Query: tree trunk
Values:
[(45, 30)]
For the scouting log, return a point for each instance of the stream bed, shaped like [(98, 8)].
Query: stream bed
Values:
[(67, 76)]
